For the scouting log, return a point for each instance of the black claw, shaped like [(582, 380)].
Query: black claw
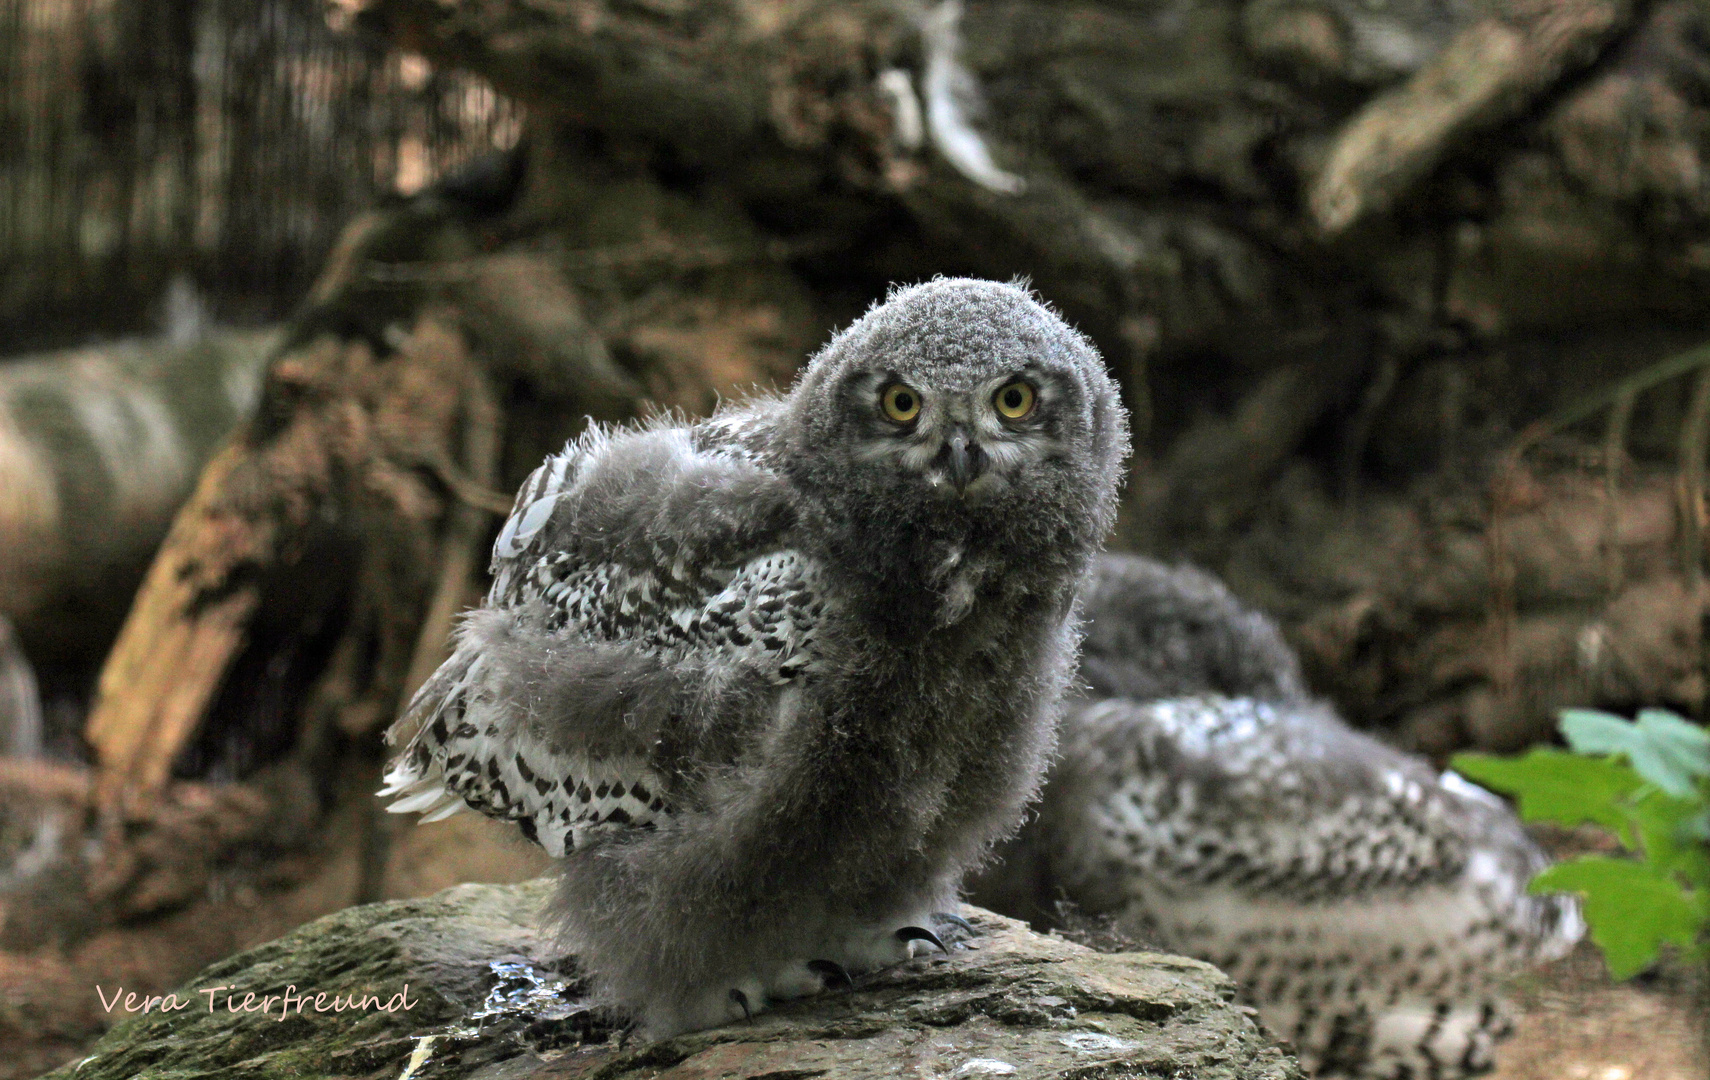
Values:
[(831, 971), (742, 999), (954, 920), (920, 933)]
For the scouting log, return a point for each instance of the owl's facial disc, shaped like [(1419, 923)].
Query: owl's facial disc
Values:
[(966, 443)]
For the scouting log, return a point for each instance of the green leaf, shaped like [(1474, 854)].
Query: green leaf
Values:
[(1665, 828), (1593, 731), (1553, 785), (1698, 828), (1632, 908), (1668, 750), (1680, 740)]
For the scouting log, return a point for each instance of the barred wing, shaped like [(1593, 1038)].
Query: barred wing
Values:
[(629, 561)]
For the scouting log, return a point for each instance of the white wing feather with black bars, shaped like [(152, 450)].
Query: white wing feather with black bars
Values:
[(591, 561)]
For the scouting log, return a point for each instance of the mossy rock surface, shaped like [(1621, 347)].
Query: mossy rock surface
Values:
[(487, 998)]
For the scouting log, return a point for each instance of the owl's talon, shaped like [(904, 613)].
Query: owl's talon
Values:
[(954, 920), (920, 933), (741, 999), (832, 972)]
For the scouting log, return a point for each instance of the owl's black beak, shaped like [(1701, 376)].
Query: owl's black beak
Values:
[(965, 461)]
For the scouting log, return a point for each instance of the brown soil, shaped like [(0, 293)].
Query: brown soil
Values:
[(1575, 1024)]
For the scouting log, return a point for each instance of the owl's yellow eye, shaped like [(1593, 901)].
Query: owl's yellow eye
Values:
[(900, 403), (1014, 401)]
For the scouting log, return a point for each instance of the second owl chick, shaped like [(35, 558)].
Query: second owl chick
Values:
[(1368, 907), (771, 682)]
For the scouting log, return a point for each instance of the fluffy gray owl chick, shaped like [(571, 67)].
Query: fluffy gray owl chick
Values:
[(1368, 907), (1174, 631), (771, 682)]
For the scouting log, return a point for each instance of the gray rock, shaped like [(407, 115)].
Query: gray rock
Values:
[(474, 990)]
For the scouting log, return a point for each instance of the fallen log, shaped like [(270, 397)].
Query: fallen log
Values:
[(466, 984), (98, 447), (1488, 73)]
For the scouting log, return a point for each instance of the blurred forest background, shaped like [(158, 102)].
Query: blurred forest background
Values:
[(1408, 299)]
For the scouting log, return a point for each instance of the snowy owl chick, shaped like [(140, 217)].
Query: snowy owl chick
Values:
[(771, 682), (1368, 907)]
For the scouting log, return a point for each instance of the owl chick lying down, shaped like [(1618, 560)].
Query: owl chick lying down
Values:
[(770, 682), (1203, 801)]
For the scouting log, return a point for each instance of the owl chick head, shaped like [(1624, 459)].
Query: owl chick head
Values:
[(960, 404)]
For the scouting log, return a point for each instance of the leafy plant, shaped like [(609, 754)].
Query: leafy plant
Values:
[(1648, 782)]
